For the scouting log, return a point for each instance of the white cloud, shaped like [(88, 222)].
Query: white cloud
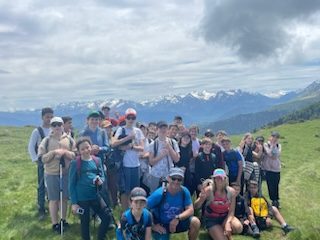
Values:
[(56, 51)]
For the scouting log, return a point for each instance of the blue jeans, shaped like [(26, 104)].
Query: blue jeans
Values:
[(41, 187)]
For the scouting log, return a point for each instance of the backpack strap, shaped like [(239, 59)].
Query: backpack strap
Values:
[(78, 164), (155, 147), (41, 132), (145, 215), (128, 216)]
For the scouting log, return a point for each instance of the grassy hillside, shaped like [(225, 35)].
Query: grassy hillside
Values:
[(299, 191)]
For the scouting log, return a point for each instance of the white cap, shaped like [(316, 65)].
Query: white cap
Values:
[(56, 119), (130, 111)]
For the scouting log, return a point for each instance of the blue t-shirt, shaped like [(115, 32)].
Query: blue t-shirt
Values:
[(171, 206), (232, 157)]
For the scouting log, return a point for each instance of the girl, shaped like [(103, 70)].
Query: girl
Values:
[(136, 222), (85, 177), (219, 200)]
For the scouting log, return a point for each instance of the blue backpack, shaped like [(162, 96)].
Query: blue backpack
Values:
[(129, 217)]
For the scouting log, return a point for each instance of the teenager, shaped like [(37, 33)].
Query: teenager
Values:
[(36, 137), (55, 150), (136, 222), (67, 126), (131, 162), (86, 176)]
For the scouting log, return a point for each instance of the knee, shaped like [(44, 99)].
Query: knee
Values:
[(195, 223), (236, 226)]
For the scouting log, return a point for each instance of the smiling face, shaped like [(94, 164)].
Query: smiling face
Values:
[(46, 118), (84, 149), (93, 122), (130, 119), (57, 128), (175, 182), (138, 204)]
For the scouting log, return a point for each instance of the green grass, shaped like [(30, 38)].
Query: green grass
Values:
[(299, 188)]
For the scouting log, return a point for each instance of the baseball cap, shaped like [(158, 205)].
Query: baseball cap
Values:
[(176, 172), (275, 134), (56, 120), (162, 124), (209, 133), (219, 172), (138, 193), (130, 111), (106, 124), (260, 139), (93, 114)]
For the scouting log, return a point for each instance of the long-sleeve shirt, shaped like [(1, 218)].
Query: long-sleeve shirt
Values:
[(34, 142), (271, 160), (50, 159), (205, 165), (81, 186)]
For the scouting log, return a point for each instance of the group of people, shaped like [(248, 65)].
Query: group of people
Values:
[(152, 171)]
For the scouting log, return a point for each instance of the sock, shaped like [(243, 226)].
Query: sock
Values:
[(283, 225)]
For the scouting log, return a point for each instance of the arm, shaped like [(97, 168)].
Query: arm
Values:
[(155, 159), (116, 142), (73, 182), (174, 153), (140, 146), (32, 144), (42, 152), (227, 226), (202, 197)]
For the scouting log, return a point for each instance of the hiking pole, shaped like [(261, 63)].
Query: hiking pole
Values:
[(61, 165)]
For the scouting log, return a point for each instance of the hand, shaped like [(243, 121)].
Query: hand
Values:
[(227, 229), (97, 180), (164, 152), (202, 195), (59, 152), (74, 208), (95, 149), (159, 229), (132, 135), (173, 225), (168, 145), (246, 222)]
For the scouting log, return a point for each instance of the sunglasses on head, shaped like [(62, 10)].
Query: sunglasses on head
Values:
[(131, 118), (176, 179), (56, 124)]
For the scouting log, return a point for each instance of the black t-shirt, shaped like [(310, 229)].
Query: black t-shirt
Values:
[(241, 209), (185, 156)]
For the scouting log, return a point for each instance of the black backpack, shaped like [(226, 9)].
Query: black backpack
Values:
[(41, 132)]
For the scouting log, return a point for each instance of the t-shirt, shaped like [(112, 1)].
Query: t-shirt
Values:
[(185, 156), (171, 206), (205, 165), (137, 229), (232, 157), (162, 167), (195, 150), (131, 157), (241, 208)]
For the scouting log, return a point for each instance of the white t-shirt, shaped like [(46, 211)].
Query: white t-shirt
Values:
[(195, 150), (131, 157), (162, 167)]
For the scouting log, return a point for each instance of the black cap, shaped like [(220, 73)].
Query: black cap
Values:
[(275, 134), (260, 139), (209, 133), (162, 124)]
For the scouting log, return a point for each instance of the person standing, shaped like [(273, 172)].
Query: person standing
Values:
[(36, 137)]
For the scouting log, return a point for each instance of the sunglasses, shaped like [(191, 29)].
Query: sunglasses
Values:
[(56, 124), (176, 179), (131, 118)]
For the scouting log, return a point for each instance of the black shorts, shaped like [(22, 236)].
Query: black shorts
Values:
[(212, 221)]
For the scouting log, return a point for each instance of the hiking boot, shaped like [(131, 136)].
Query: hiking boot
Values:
[(287, 228), (65, 224), (56, 228), (255, 231), (112, 226)]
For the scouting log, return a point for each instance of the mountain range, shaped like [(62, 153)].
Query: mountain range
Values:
[(204, 108)]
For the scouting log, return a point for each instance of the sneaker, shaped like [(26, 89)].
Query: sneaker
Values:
[(287, 228), (255, 231), (56, 228)]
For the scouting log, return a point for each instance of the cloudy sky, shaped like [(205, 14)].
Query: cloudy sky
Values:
[(65, 50)]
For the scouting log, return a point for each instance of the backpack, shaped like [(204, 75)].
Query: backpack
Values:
[(212, 157), (129, 217), (156, 146), (156, 215), (259, 206), (42, 136)]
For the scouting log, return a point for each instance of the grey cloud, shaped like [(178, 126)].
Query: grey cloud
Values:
[(254, 28)]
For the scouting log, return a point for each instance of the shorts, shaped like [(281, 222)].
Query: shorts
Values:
[(182, 226), (53, 187), (131, 178), (212, 221)]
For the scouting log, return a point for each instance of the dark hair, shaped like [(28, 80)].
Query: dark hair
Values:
[(66, 119), (173, 125), (82, 140), (206, 140), (105, 107), (152, 123), (46, 110)]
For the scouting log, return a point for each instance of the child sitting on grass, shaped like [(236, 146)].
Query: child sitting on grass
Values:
[(263, 211), (136, 222)]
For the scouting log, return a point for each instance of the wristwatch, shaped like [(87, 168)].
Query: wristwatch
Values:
[(177, 217)]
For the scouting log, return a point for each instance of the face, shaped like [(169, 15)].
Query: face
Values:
[(138, 204), (47, 118), (207, 147), (253, 188), (153, 127), (175, 181), (163, 131), (173, 131), (151, 135), (57, 127), (220, 136), (226, 145), (130, 119), (108, 130), (106, 112), (274, 139), (185, 140), (178, 121), (67, 126), (144, 130), (193, 133), (93, 122), (219, 181), (236, 189), (84, 149), (249, 140)]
